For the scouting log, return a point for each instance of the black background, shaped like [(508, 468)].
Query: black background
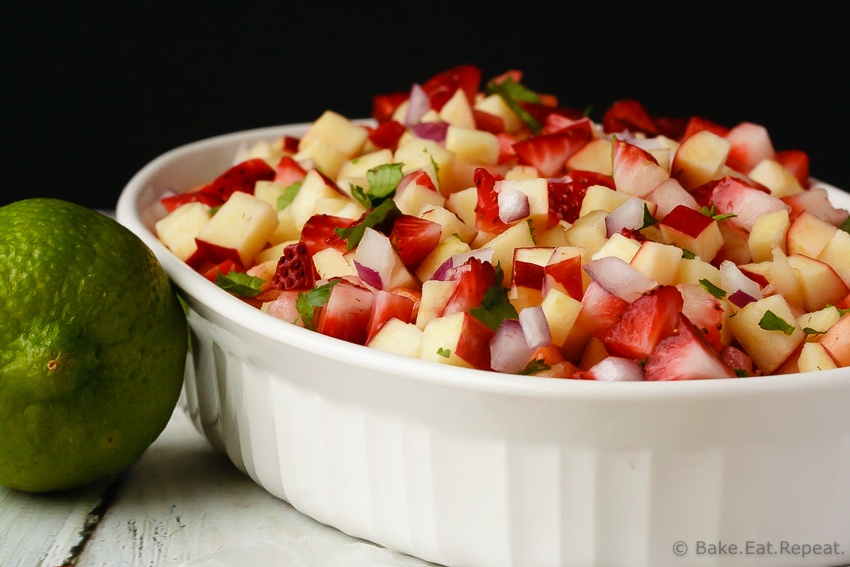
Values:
[(92, 93)]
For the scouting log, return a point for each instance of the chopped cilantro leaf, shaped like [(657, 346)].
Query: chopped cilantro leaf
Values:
[(533, 367), (285, 199), (845, 226), (712, 212), (770, 321), (810, 331), (239, 283), (513, 94), (495, 306), (712, 289), (687, 254), (383, 181), (741, 373), (386, 212), (307, 302), (444, 352), (648, 219)]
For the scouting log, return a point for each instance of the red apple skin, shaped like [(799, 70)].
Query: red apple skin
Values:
[(687, 221), (473, 346)]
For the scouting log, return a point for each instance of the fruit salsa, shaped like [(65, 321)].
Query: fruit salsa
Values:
[(488, 226)]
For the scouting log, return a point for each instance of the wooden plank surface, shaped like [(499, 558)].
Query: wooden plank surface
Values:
[(181, 504)]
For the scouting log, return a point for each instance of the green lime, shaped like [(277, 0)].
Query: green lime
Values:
[(93, 343)]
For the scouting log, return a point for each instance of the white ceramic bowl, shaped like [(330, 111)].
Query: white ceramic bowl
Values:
[(471, 468)]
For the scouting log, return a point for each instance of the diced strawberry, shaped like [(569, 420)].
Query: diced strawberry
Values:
[(797, 162), (567, 274), (294, 269), (567, 194), (347, 312), (644, 323), (240, 177), (738, 360), (388, 306), (513, 74), (209, 253), (732, 195), (441, 87), (600, 310), (628, 115), (697, 123), (386, 134), (474, 279), (685, 355), (749, 144), (557, 122), (672, 127), (635, 170), (319, 232), (413, 295), (288, 171), (488, 122), (289, 144), (172, 202), (487, 207), (549, 152), (285, 307), (506, 146), (222, 268), (705, 311), (414, 238), (385, 105), (416, 177)]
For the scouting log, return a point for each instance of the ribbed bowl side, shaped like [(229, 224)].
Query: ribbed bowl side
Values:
[(467, 478)]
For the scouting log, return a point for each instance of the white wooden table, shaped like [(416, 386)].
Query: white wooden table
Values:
[(181, 504)]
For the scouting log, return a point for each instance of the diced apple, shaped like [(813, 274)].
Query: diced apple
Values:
[(411, 198), (836, 253), (397, 337), (596, 156), (658, 261), (837, 341), (808, 235), (239, 230), (355, 168), (774, 176), (435, 296), (553, 236), (601, 198), (495, 105), (440, 254), (179, 228), (561, 312), (323, 155), (537, 192), (424, 154), (589, 231), (503, 246), (462, 203), (529, 264), (768, 347), (473, 146), (458, 339), (816, 323), (450, 222), (332, 263), (618, 246), (768, 232), (700, 158), (820, 285), (519, 172), (457, 111), (814, 357), (694, 270), (337, 131), (314, 187), (693, 231), (563, 271)]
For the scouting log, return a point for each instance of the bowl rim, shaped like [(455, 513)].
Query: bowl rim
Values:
[(253, 320)]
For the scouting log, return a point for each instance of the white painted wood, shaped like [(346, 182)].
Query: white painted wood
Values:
[(181, 504)]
